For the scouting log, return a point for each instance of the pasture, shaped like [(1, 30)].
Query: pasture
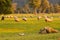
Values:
[(9, 29)]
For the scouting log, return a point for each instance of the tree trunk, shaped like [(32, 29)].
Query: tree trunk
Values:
[(18, 12), (35, 11)]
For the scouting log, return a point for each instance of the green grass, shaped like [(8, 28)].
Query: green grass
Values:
[(31, 28), (29, 36)]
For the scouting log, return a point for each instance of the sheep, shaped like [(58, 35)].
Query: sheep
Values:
[(16, 19), (38, 17), (21, 34), (47, 19), (2, 18), (11, 16), (48, 30), (24, 18), (8, 16), (51, 30)]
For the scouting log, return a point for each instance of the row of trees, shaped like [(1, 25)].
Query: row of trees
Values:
[(33, 6), (41, 6)]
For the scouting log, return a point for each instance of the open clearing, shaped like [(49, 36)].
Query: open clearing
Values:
[(9, 29)]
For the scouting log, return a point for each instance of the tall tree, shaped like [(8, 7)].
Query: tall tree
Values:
[(45, 5), (14, 7), (19, 10), (34, 4), (26, 8), (51, 8), (5, 6), (57, 8)]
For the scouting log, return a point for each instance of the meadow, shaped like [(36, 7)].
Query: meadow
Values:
[(9, 29)]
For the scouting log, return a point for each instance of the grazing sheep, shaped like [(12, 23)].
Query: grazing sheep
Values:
[(38, 17), (16, 19), (2, 18), (25, 19), (11, 16), (47, 19), (8, 16)]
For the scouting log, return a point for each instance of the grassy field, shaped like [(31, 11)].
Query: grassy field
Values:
[(9, 29)]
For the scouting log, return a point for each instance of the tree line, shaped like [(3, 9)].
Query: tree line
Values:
[(32, 6)]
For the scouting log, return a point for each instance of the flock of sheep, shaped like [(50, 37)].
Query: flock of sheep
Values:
[(44, 30), (47, 18)]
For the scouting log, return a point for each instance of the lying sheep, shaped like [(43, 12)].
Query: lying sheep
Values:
[(51, 30), (48, 30)]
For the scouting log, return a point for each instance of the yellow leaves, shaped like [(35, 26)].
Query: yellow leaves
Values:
[(46, 3), (35, 3)]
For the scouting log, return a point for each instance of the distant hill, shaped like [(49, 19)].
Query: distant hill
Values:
[(23, 2)]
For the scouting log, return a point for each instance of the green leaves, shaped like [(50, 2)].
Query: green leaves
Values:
[(5, 6)]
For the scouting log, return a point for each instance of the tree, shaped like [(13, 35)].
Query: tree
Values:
[(5, 6), (57, 8), (19, 10), (26, 8), (14, 7), (45, 5), (51, 8), (34, 4)]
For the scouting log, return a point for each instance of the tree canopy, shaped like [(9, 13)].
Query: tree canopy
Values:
[(5, 6), (35, 4)]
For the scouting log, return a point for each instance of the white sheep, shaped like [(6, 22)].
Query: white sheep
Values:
[(24, 18), (16, 19), (11, 16), (47, 19), (21, 34), (39, 17)]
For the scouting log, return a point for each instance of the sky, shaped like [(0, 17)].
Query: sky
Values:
[(23, 2), (20, 2)]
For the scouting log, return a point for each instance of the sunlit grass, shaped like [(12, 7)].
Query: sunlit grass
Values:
[(9, 29)]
